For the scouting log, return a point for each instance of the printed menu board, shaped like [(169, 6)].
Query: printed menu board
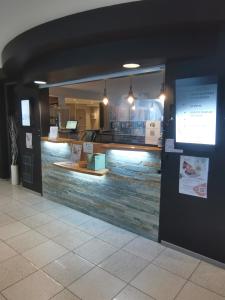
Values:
[(196, 105), (193, 179)]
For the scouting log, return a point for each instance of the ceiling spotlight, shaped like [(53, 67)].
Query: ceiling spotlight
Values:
[(105, 99), (40, 82), (130, 97), (131, 66)]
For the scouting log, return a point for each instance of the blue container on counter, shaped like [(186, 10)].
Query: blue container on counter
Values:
[(96, 161)]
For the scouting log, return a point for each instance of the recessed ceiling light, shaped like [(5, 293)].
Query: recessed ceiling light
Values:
[(40, 82), (131, 66)]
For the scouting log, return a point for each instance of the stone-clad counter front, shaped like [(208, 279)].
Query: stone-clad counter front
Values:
[(127, 196)]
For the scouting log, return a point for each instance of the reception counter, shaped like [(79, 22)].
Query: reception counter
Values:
[(126, 194)]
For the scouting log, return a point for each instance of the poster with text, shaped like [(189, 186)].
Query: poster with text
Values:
[(152, 132), (194, 176), (196, 106)]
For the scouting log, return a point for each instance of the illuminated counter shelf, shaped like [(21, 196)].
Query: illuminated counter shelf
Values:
[(76, 168), (100, 147)]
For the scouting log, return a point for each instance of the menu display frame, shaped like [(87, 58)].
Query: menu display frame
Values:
[(196, 102), (26, 112)]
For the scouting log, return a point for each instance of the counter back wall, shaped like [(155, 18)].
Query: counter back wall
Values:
[(128, 196)]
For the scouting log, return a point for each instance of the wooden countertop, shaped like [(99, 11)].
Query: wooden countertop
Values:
[(108, 146), (76, 168)]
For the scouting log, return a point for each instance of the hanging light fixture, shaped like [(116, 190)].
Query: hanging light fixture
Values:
[(130, 97), (162, 96), (133, 107), (152, 106), (105, 99)]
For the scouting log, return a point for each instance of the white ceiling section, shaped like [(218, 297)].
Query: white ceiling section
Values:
[(17, 16)]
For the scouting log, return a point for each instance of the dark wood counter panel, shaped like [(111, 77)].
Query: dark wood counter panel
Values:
[(102, 147)]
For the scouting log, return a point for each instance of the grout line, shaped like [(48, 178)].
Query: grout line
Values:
[(98, 237)]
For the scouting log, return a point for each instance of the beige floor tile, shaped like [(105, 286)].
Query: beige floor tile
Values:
[(144, 248), (72, 238), (210, 277), (6, 252), (130, 293), (12, 205), (5, 219), (44, 253), (22, 213), (95, 251), (37, 286), (37, 220), (12, 229), (4, 200), (75, 218), (13, 270), (117, 237), (97, 285), (194, 292), (53, 228), (177, 262), (26, 241), (68, 268), (158, 283), (45, 205), (95, 227), (124, 265), (64, 295), (31, 199), (59, 211)]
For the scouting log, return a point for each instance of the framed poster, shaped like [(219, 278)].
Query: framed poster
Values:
[(196, 109), (25, 112), (193, 178)]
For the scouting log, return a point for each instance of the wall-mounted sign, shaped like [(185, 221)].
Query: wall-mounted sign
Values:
[(194, 176), (170, 147), (29, 144), (25, 111), (196, 106)]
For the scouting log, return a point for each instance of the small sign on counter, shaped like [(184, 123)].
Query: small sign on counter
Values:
[(76, 153), (88, 148), (152, 132), (53, 134)]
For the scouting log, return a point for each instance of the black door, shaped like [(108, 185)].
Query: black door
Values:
[(191, 222), (33, 118)]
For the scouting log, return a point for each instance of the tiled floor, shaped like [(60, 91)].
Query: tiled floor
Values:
[(49, 251)]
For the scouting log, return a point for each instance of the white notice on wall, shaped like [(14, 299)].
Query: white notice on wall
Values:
[(53, 134), (194, 176), (170, 147), (29, 140), (88, 148), (152, 132)]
